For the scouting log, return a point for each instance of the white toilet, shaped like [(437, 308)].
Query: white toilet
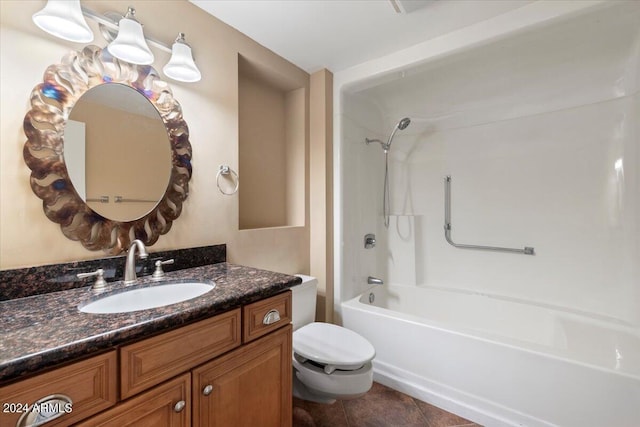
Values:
[(329, 362)]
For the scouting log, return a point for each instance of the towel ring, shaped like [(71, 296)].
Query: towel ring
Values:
[(225, 170)]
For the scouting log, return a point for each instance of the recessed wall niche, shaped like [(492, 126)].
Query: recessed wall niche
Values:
[(272, 136)]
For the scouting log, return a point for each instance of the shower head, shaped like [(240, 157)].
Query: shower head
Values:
[(402, 125)]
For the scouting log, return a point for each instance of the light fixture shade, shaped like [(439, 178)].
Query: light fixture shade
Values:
[(63, 18), (130, 44), (181, 66)]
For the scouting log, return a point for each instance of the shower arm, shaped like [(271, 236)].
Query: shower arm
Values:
[(447, 228), (385, 145)]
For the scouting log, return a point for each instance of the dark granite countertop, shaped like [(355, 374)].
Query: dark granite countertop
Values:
[(45, 330)]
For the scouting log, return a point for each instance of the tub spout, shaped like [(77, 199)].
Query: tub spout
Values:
[(374, 281)]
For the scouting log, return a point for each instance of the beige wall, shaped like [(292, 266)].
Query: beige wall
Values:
[(296, 112), (262, 155), (273, 127), (210, 108), (321, 190)]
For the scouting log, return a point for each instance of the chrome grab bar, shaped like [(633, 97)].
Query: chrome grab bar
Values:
[(447, 227)]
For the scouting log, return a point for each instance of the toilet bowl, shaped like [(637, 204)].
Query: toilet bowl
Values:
[(329, 362)]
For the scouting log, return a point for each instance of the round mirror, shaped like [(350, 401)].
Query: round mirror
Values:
[(130, 176), (113, 127)]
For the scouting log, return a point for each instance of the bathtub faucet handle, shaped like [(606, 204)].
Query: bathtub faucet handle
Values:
[(374, 281), (369, 241)]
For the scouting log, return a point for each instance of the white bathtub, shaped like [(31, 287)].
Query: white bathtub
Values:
[(500, 362)]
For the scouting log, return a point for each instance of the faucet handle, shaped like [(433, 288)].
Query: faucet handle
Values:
[(159, 273), (99, 284), (369, 241)]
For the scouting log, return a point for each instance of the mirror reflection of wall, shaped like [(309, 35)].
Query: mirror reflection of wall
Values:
[(75, 155), (127, 152)]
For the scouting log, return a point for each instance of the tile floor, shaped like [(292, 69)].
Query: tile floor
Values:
[(380, 407)]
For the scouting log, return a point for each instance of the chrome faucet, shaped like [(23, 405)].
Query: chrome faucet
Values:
[(130, 266), (374, 281)]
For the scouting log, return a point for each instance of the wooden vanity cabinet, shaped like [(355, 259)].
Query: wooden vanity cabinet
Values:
[(209, 373), (231, 370)]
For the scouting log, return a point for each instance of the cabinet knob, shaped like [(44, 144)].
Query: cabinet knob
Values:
[(180, 406), (207, 390), (272, 316)]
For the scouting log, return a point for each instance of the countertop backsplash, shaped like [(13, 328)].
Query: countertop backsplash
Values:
[(24, 282)]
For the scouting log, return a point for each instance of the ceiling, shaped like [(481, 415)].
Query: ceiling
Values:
[(337, 34)]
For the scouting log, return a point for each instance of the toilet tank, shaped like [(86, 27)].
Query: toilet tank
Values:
[(303, 301)]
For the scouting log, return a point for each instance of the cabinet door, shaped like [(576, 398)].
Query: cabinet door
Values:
[(248, 387), (166, 405)]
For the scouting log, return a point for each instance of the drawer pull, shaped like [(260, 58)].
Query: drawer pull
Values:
[(180, 406), (271, 317), (46, 409), (207, 390)]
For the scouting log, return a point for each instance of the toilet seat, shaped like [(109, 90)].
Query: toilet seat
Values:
[(333, 346)]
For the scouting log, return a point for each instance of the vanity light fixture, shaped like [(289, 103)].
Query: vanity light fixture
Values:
[(130, 44), (181, 66), (63, 18)]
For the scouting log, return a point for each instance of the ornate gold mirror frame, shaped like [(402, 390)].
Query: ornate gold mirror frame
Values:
[(51, 103)]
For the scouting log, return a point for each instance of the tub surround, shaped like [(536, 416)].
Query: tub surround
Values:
[(534, 116), (45, 330), (24, 282)]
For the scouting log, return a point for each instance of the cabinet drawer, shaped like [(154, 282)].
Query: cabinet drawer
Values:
[(90, 385), (154, 360), (168, 404), (265, 316)]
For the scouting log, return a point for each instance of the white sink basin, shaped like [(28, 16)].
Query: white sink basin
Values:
[(155, 296)]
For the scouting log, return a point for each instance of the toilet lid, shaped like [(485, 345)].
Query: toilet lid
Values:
[(332, 345)]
